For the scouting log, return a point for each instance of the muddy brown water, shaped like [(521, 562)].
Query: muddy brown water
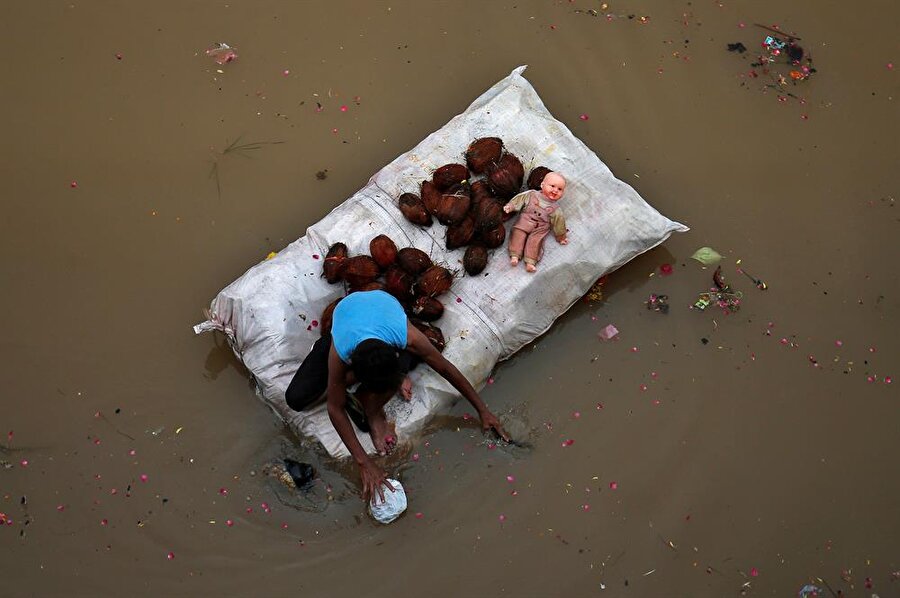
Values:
[(742, 468)]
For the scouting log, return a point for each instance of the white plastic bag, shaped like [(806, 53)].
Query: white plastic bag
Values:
[(393, 505), (267, 312)]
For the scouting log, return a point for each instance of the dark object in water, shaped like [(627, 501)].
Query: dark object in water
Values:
[(794, 52), (475, 260), (383, 251), (360, 270), (428, 309), (737, 47), (333, 267), (505, 177), (459, 235), (413, 209), (303, 474), (448, 175), (536, 177), (483, 152)]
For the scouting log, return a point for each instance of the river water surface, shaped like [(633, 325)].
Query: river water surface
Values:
[(714, 454)]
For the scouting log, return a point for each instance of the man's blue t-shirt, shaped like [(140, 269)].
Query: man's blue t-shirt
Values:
[(364, 315)]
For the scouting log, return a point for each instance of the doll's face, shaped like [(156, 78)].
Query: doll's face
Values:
[(553, 186)]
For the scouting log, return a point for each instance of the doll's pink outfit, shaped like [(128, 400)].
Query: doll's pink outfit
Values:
[(536, 220)]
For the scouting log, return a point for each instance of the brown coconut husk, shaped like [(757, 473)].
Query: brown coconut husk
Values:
[(494, 237), (453, 208), (431, 197), (398, 283), (360, 270), (383, 251), (325, 318), (480, 191), (505, 177), (413, 209), (412, 260), (536, 177), (435, 281), (483, 152), (448, 175), (488, 214), (333, 265), (460, 234), (427, 309), (431, 332), (475, 260)]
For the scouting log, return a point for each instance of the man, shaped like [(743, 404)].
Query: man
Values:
[(372, 342)]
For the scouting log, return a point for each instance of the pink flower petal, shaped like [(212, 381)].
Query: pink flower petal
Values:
[(502, 518), (510, 479), (584, 117), (568, 442), (285, 72), (170, 556), (585, 507), (754, 572), (144, 477), (73, 184), (229, 522), (344, 108), (223, 491), (419, 515), (614, 485)]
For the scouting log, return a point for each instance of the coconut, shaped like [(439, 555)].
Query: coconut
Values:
[(428, 309), (383, 251), (453, 207), (488, 214), (435, 281), (333, 266), (483, 152), (494, 237), (448, 175), (505, 178), (414, 261), (431, 197), (413, 209), (480, 191), (398, 283), (431, 332), (360, 270), (325, 318), (475, 259), (536, 177), (460, 234)]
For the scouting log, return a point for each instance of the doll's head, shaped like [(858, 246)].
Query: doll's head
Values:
[(553, 186)]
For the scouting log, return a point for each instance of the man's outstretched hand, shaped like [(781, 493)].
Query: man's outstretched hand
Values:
[(490, 422), (374, 480)]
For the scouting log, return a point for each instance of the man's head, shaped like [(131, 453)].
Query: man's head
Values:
[(553, 186), (376, 365)]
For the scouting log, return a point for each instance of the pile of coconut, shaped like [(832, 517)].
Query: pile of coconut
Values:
[(472, 211)]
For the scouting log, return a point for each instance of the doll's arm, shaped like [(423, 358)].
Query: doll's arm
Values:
[(558, 222), (516, 203)]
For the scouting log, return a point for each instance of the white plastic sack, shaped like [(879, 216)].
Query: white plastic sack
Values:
[(267, 313), (394, 503)]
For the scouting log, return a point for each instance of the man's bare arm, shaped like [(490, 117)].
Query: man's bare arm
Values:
[(419, 344)]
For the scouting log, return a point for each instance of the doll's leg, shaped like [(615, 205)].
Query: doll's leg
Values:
[(516, 244), (533, 247)]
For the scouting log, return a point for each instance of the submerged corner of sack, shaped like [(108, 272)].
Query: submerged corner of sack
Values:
[(213, 322)]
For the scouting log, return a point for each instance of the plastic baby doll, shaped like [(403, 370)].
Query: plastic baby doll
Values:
[(539, 216)]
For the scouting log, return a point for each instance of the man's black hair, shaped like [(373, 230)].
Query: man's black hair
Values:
[(376, 365)]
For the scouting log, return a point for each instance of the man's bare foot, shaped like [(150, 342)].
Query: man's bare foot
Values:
[(513, 261), (406, 389), (382, 432), (530, 268)]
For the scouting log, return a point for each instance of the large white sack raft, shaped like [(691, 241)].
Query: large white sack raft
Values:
[(266, 313)]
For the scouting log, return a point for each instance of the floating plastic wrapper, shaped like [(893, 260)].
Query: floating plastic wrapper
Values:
[(707, 256), (222, 53), (393, 505), (609, 332)]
